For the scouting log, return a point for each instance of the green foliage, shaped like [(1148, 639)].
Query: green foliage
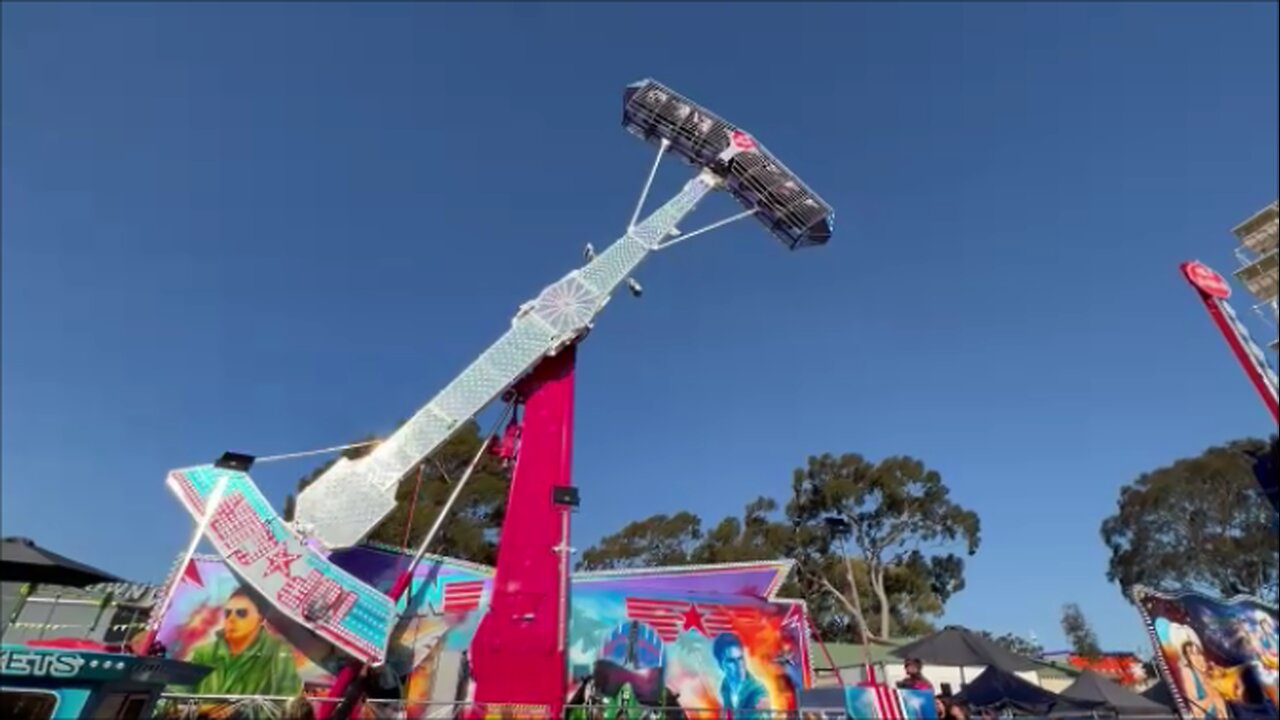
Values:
[(1084, 641), (1198, 524), (899, 515), (901, 521), (471, 531), (1026, 647), (655, 541)]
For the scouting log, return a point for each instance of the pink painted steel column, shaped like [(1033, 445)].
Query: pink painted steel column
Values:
[(518, 653)]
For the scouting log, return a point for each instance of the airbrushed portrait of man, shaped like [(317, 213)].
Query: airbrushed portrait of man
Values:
[(245, 657), (739, 690)]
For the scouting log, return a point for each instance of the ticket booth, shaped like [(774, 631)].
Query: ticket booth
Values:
[(45, 683)]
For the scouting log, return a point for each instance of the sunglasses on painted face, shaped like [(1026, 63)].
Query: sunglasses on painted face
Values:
[(241, 613)]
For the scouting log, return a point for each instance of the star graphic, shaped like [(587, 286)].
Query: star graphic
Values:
[(192, 574), (279, 562), (693, 620)]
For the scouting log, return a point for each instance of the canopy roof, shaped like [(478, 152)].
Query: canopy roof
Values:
[(1159, 694), (21, 560), (957, 646), (1000, 689), (1094, 690)]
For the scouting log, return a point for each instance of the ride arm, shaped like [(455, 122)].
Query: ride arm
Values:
[(353, 496)]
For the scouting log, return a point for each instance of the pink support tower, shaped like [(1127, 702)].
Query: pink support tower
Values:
[(518, 654)]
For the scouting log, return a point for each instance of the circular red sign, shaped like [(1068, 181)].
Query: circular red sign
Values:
[(1205, 278), (743, 141)]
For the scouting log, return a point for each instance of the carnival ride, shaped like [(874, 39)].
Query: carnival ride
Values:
[(518, 656)]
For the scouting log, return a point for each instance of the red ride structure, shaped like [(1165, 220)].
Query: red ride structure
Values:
[(518, 653), (1213, 291)]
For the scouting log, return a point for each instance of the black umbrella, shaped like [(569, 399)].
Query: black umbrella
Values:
[(1093, 690), (1000, 690), (958, 647), (21, 560), (1159, 694)]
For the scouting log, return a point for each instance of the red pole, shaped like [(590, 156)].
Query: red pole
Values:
[(518, 654), (827, 653), (1213, 291)]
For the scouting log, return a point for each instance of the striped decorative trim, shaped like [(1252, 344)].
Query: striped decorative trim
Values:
[(478, 568), (1166, 673), (782, 568)]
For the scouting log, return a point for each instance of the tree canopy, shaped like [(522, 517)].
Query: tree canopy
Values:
[(1198, 524), (899, 518), (878, 546), (895, 519), (1026, 647), (655, 541), (1084, 641)]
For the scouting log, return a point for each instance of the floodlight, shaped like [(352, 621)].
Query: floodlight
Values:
[(784, 204), (240, 462)]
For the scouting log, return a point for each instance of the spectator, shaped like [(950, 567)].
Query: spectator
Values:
[(915, 679)]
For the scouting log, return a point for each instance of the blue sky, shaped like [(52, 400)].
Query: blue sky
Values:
[(278, 227)]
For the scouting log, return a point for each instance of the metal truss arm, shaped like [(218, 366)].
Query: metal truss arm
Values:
[(672, 240), (648, 183), (350, 498)]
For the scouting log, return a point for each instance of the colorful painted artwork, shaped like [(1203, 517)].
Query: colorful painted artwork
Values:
[(882, 702), (266, 555), (707, 638), (1218, 657), (647, 639)]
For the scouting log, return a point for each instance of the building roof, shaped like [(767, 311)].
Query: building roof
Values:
[(1052, 669), (1091, 688), (853, 654)]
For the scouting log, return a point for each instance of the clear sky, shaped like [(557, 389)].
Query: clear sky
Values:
[(278, 227)]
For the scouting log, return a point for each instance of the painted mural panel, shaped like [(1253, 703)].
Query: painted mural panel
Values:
[(636, 640), (213, 620), (881, 702), (1218, 657), (654, 646)]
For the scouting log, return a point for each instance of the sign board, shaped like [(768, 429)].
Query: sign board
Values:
[(1213, 292), (298, 581)]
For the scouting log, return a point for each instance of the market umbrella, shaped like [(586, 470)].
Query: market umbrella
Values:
[(22, 561), (1095, 691), (1002, 690), (958, 647)]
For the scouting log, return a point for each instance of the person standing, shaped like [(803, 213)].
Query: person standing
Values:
[(915, 679)]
